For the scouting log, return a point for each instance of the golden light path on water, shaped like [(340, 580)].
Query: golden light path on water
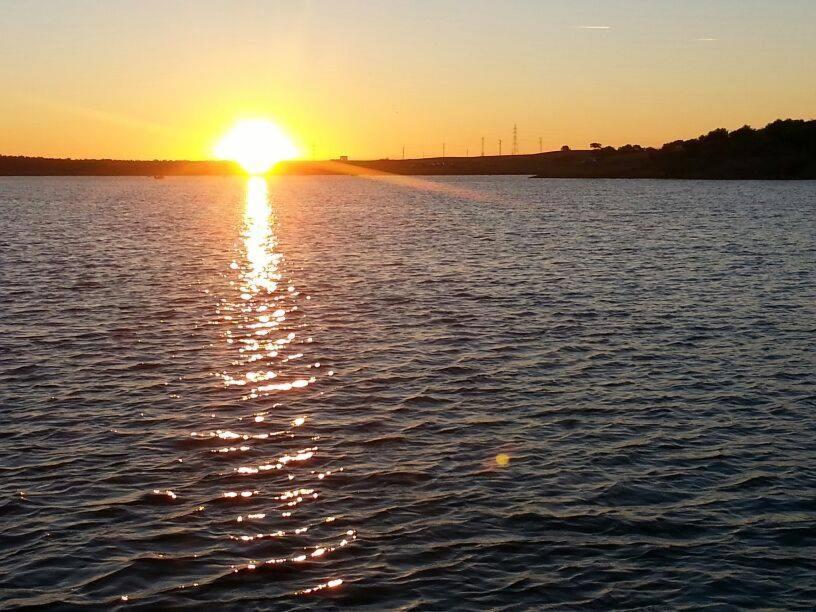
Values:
[(262, 295), (260, 241), (269, 367)]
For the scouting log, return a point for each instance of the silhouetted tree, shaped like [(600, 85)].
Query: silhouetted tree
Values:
[(782, 149), (674, 145), (595, 145), (565, 148)]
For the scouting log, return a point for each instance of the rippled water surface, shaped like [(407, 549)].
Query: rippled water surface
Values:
[(466, 393)]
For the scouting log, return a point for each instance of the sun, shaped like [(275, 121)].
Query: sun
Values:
[(256, 144)]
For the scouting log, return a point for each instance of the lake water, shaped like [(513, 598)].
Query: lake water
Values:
[(458, 393)]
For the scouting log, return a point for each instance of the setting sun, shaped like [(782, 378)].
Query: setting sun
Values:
[(257, 145)]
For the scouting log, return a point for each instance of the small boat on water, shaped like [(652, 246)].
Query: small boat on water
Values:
[(158, 176)]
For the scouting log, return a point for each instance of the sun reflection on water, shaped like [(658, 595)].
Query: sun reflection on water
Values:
[(269, 464), (259, 315), (262, 273)]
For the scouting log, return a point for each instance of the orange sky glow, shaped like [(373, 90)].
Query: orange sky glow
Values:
[(150, 80)]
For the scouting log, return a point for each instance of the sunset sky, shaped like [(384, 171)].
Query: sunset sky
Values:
[(165, 79)]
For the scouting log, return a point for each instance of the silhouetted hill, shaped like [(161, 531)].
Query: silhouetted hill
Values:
[(784, 149), (44, 166), (505, 164)]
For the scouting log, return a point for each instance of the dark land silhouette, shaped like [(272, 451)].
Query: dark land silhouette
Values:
[(784, 149)]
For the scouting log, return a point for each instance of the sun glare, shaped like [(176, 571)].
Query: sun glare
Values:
[(257, 145)]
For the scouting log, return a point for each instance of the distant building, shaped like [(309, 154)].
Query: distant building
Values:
[(343, 158)]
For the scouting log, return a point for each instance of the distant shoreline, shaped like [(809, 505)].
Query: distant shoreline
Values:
[(583, 164), (487, 165), (784, 150)]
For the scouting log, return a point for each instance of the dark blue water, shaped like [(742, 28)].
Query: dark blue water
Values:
[(466, 393)]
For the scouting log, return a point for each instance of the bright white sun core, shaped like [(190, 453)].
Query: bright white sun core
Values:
[(256, 144)]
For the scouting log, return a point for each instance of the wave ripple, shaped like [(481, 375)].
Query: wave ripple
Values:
[(477, 393)]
